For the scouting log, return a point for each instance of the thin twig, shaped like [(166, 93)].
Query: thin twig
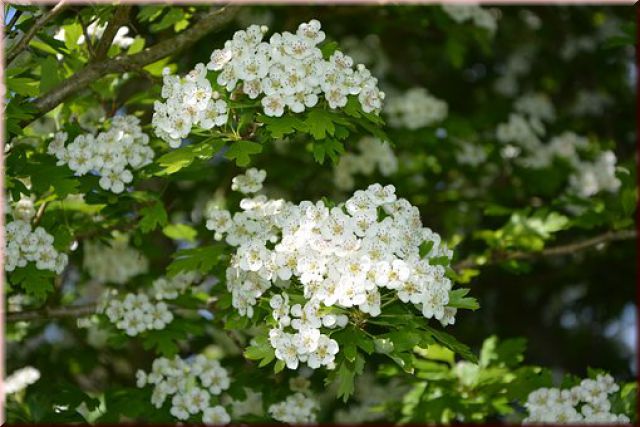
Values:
[(87, 38), (209, 22), (77, 311), (39, 214), (52, 313), (497, 257), (119, 17), (41, 22)]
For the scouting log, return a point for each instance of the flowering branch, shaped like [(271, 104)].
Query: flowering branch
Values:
[(41, 22), (209, 22), (496, 257)]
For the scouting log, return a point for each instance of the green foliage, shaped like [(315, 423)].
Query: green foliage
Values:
[(202, 259), (241, 152), (495, 212)]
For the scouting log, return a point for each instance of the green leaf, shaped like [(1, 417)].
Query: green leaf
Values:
[(328, 49), (278, 366), (180, 232), (165, 341), (136, 46), (182, 157), (23, 86), (457, 299), (161, 341), (201, 259), (327, 147), (452, 344), (153, 216), (150, 13), (320, 123), (46, 175), (72, 33), (260, 350), (345, 381), (278, 127), (49, 77), (37, 283), (240, 151), (174, 15)]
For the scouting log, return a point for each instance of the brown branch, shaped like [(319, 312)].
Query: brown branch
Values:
[(76, 311), (37, 26), (209, 22), (570, 248), (119, 17), (52, 313)]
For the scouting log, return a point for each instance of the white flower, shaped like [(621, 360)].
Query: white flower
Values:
[(414, 109), (344, 257), (296, 409), (216, 415), (20, 379), (115, 262), (112, 154), (552, 405), (24, 245), (250, 182), (287, 72)]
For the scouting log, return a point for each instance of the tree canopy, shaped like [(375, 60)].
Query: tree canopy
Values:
[(331, 214)]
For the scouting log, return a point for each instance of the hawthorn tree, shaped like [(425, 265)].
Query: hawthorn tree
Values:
[(223, 214)]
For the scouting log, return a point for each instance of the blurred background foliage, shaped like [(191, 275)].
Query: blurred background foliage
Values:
[(575, 310)]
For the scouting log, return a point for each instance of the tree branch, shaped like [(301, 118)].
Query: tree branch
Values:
[(119, 17), (76, 311), (41, 22), (52, 313), (209, 22), (496, 257)]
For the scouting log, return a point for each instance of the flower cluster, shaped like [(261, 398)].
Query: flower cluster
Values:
[(250, 182), (373, 154), (414, 109), (295, 409), (136, 313), (307, 343), (113, 263), (190, 101), (536, 105), (347, 256), (193, 384), (20, 379), (469, 153), (168, 288), (24, 244), (482, 18), (523, 131), (112, 154), (590, 178), (586, 403), (591, 103), (288, 72), (522, 136), (517, 65)]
